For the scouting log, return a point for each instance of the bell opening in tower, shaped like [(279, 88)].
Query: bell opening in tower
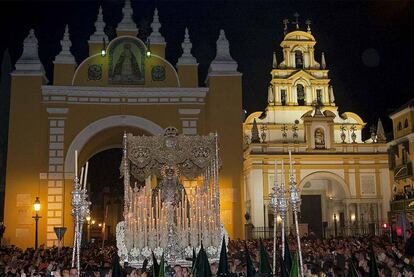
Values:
[(298, 59), (283, 97)]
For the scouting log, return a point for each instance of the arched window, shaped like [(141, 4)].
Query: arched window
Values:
[(406, 123), (298, 59), (320, 139), (283, 97), (399, 126), (300, 90)]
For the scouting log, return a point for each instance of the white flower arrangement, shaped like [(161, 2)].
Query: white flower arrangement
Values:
[(158, 252), (211, 251), (146, 252), (135, 252), (120, 241)]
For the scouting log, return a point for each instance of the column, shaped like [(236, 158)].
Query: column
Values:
[(55, 176), (325, 96), (289, 96), (295, 96), (278, 97), (308, 95)]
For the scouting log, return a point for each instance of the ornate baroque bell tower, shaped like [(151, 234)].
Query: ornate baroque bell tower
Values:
[(299, 80)]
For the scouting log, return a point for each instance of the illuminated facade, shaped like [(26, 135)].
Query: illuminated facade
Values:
[(339, 175), (89, 106), (401, 156)]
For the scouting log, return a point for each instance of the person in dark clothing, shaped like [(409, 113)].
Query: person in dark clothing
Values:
[(409, 244)]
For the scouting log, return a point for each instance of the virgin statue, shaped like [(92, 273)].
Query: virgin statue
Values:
[(127, 67)]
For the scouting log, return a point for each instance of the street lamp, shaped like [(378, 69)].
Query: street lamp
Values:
[(36, 207)]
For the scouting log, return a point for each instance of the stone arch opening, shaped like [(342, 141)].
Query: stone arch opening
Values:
[(118, 121), (105, 188), (95, 142), (324, 197)]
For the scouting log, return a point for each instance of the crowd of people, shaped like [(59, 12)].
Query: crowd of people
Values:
[(321, 257)]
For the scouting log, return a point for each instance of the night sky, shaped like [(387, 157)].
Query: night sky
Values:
[(365, 43)]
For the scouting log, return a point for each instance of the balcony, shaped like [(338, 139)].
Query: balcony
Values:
[(403, 171)]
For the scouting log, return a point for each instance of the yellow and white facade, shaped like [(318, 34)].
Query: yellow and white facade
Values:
[(89, 106), (338, 174)]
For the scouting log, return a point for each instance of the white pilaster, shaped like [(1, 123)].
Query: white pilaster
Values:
[(55, 195), (256, 194)]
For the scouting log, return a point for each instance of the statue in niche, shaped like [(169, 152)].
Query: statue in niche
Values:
[(126, 63), (319, 139), (126, 67)]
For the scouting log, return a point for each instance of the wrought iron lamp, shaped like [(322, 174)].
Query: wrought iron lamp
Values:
[(36, 207)]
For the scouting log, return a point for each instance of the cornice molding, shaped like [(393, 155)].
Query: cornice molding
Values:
[(123, 95)]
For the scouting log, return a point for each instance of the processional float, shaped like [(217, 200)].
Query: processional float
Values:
[(163, 217)]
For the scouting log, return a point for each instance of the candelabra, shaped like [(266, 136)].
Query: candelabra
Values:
[(80, 210), (280, 203)]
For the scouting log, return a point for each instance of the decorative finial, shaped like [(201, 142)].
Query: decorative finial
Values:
[(30, 47), (29, 62), (156, 37), (323, 62), (127, 23), (223, 47), (65, 56), (381, 138), (255, 133), (270, 95), (186, 57), (331, 95), (285, 27), (223, 63), (99, 29), (296, 22), (308, 22), (274, 64)]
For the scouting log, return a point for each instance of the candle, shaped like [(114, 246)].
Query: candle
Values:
[(81, 176), (76, 163), (290, 162), (86, 175), (275, 172)]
